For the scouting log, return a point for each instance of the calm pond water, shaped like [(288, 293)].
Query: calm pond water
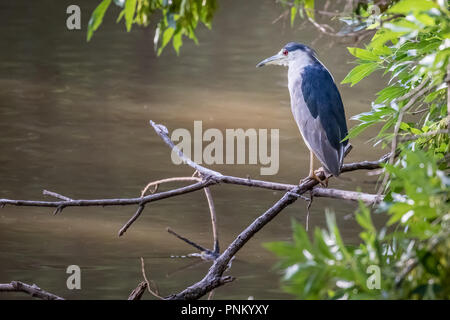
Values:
[(74, 120)]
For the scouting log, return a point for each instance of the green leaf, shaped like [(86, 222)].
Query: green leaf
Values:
[(301, 239), (167, 36), (282, 249), (363, 54), (381, 37), (121, 15), (177, 41), (390, 93), (360, 72), (356, 130), (130, 9), (97, 17), (404, 126), (407, 6), (433, 95), (382, 50), (168, 33), (334, 232), (364, 219), (309, 8), (293, 14), (415, 131)]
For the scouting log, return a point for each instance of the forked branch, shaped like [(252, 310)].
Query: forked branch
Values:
[(206, 178)]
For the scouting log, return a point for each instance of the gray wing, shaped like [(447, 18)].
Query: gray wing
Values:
[(316, 138), (319, 113)]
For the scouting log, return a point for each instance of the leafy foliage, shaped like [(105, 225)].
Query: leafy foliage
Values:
[(297, 7), (411, 44), (175, 18)]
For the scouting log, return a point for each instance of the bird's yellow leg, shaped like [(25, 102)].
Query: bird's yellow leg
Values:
[(312, 175)]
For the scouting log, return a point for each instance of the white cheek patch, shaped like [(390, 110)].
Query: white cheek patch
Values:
[(283, 62)]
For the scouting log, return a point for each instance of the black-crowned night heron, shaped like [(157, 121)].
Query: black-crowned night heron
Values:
[(316, 105)]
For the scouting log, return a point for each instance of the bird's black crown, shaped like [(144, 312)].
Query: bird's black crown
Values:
[(293, 46)]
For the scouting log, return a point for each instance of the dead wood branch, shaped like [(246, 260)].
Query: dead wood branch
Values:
[(212, 211), (347, 195), (33, 290), (215, 276), (137, 293)]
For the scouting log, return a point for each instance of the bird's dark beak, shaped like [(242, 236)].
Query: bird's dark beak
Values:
[(276, 59)]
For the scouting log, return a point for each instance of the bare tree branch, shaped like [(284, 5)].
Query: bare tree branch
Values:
[(215, 276), (162, 131), (347, 195), (132, 220), (55, 195), (158, 182), (137, 293), (109, 202), (33, 290), (189, 242)]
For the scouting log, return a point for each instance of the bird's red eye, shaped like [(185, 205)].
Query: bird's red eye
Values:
[(285, 52)]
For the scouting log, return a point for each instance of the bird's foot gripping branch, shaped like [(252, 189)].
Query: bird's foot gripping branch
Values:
[(202, 179)]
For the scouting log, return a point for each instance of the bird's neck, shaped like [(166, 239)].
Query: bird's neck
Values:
[(295, 69)]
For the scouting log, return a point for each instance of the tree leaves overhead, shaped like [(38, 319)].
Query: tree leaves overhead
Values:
[(309, 7), (130, 9), (97, 18), (411, 47), (174, 19), (297, 7)]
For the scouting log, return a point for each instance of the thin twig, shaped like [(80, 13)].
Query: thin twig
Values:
[(132, 220), (189, 242), (311, 198), (162, 131), (158, 182), (212, 211), (56, 195), (413, 262), (110, 202), (413, 95), (347, 195), (148, 282)]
